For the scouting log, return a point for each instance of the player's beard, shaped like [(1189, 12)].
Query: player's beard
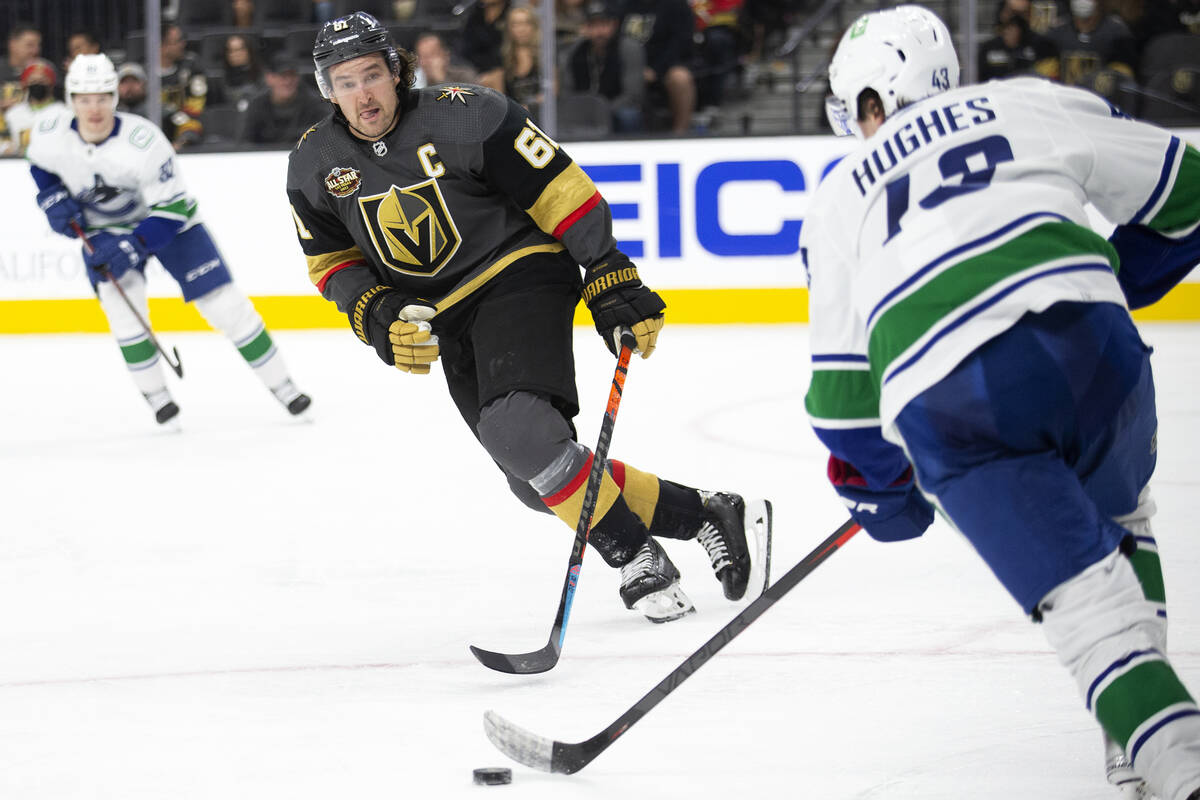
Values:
[(386, 128)]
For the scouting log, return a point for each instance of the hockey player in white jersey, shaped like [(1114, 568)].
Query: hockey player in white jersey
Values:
[(973, 351), (115, 176)]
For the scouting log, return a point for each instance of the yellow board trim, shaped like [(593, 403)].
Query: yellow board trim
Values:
[(309, 312)]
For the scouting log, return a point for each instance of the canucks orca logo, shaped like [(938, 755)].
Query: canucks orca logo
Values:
[(111, 201), (411, 228)]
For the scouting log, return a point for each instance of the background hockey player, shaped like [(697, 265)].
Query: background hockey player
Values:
[(971, 332), (115, 175), (449, 199)]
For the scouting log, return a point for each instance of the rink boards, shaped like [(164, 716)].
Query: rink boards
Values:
[(713, 224)]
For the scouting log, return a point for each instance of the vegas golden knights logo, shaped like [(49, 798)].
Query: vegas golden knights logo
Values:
[(411, 228)]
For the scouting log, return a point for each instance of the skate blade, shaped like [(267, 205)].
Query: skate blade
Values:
[(666, 605), (759, 521)]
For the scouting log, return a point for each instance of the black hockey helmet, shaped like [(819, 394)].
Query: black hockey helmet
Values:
[(347, 38)]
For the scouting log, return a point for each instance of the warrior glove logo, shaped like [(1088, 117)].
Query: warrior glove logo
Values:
[(411, 228)]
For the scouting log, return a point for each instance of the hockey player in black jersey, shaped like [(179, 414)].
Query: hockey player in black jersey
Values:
[(446, 225)]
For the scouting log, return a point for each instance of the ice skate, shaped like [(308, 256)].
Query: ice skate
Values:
[(1120, 774), (737, 537), (650, 584), (163, 406), (295, 401)]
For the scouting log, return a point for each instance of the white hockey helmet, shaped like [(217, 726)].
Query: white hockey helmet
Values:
[(91, 74), (904, 53)]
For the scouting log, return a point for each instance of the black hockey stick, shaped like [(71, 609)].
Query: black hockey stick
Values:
[(545, 658), (177, 364), (551, 756)]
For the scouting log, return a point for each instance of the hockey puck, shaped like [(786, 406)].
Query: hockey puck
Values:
[(493, 776)]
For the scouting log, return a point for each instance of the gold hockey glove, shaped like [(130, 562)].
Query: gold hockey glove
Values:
[(398, 328)]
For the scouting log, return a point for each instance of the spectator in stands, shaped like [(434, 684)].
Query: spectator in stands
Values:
[(286, 109), (520, 53), (184, 89), (241, 74), (480, 41), (717, 26), (665, 28), (568, 22), (131, 88), (604, 61), (24, 45), (80, 42), (767, 19), (434, 63), (38, 80), (1150, 18), (242, 13), (1016, 50), (1091, 40)]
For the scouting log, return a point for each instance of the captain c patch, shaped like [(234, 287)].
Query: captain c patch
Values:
[(343, 181)]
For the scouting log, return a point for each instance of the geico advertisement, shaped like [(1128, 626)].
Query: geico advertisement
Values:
[(692, 213)]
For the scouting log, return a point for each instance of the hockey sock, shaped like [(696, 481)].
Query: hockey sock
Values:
[(640, 489), (618, 535), (666, 508), (232, 313), (616, 531), (1145, 560), (1107, 634), (141, 356)]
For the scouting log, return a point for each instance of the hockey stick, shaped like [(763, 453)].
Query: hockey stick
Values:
[(177, 364), (552, 756), (545, 658)]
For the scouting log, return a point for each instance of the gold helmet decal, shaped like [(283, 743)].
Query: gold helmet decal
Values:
[(411, 228)]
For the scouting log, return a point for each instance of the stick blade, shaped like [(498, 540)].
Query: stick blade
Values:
[(520, 663), (519, 744)]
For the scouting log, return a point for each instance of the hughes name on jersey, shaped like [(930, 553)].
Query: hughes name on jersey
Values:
[(130, 177), (462, 188), (927, 233)]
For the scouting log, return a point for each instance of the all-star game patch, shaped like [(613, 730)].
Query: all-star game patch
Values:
[(455, 93), (343, 181)]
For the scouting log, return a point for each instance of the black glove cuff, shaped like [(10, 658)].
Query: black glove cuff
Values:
[(360, 317)]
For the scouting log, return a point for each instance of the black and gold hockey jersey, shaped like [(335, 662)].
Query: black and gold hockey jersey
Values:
[(462, 188)]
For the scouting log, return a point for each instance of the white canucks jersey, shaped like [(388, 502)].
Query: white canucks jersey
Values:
[(20, 119), (962, 213), (119, 182)]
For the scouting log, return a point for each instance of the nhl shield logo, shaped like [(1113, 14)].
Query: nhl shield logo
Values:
[(380, 148), (411, 228), (343, 181)]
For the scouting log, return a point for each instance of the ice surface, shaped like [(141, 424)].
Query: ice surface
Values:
[(256, 607)]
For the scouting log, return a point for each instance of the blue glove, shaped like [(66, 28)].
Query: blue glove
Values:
[(113, 254), (61, 209), (891, 514)]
